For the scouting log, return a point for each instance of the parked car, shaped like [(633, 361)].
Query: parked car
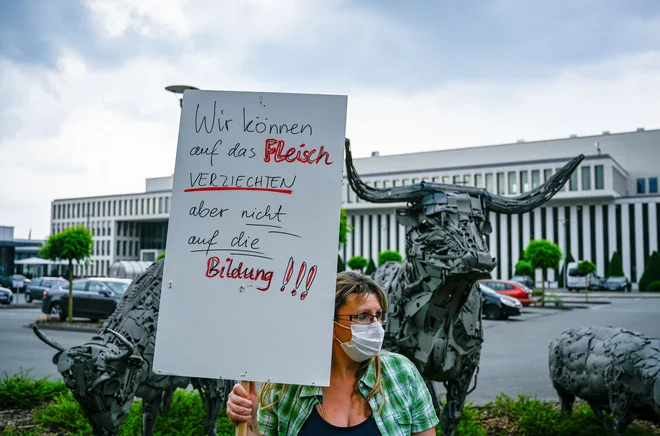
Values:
[(512, 289), (8, 281), (525, 280), (575, 280), (498, 306), (94, 298), (36, 288), (616, 284), (6, 296)]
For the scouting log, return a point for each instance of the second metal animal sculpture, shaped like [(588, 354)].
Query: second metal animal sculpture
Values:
[(106, 373), (435, 306)]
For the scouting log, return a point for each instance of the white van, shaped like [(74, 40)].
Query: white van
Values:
[(575, 280)]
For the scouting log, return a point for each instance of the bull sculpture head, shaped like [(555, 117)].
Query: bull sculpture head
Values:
[(102, 375), (446, 230)]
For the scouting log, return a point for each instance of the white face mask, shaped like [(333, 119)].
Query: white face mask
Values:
[(366, 342)]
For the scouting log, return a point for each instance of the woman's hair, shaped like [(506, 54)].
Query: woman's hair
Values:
[(349, 283)]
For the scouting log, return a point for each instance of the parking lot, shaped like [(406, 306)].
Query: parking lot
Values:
[(514, 357)]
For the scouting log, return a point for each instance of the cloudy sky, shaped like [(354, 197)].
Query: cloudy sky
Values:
[(83, 111)]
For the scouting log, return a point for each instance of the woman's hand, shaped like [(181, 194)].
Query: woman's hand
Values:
[(241, 405)]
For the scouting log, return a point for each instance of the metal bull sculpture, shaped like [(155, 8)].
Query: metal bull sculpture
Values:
[(107, 372), (435, 306)]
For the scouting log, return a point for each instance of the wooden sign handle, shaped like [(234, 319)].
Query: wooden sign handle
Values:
[(242, 428)]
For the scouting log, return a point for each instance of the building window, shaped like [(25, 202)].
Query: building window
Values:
[(466, 180), (641, 186), (513, 188), (653, 185), (586, 178), (456, 180), (445, 180), (114, 208), (142, 203), (160, 204), (536, 179), (479, 180), (524, 181), (490, 183), (600, 176), (500, 184), (167, 204), (547, 174), (573, 182)]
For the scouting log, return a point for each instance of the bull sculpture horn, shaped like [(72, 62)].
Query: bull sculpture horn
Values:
[(495, 203), (126, 354), (48, 341)]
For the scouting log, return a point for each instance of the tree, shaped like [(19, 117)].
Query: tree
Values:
[(389, 256), (543, 254), (587, 268), (371, 268), (344, 227), (615, 268), (562, 274), (524, 268), (651, 272), (74, 243), (340, 264), (357, 263)]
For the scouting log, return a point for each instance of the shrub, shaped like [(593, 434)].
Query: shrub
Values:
[(389, 256), (651, 272), (371, 268), (161, 256), (524, 268), (23, 392), (653, 286), (615, 268), (357, 263)]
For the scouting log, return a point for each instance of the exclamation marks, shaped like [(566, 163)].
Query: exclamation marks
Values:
[(310, 279), (301, 275), (287, 274)]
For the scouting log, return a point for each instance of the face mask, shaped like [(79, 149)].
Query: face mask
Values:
[(366, 341)]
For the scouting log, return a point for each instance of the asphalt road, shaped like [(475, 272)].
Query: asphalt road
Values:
[(514, 357)]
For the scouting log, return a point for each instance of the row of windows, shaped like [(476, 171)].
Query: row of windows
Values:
[(136, 206), (97, 228), (653, 185), (96, 268), (125, 248), (503, 183)]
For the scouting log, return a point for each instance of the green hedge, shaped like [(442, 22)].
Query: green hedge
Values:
[(653, 286), (55, 411)]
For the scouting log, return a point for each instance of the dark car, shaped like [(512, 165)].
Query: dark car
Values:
[(525, 280), (35, 290), (6, 296), (616, 284), (9, 281), (94, 298), (498, 306)]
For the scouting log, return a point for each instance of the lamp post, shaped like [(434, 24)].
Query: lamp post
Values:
[(565, 222), (179, 89)]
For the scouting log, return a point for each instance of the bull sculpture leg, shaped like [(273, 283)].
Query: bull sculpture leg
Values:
[(457, 390), (152, 406), (213, 394)]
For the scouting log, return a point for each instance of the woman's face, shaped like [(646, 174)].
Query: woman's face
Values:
[(355, 307)]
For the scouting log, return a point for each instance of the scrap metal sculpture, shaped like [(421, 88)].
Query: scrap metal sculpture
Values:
[(106, 373), (613, 369), (435, 306)]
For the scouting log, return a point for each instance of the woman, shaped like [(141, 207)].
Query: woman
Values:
[(371, 392)]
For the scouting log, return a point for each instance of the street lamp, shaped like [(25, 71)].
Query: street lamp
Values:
[(178, 89)]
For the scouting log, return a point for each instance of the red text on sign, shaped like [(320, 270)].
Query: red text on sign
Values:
[(277, 151), (240, 272)]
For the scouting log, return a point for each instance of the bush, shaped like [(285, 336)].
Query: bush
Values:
[(653, 286), (651, 272), (524, 268), (615, 268), (161, 256), (23, 392), (357, 263), (371, 268), (389, 256)]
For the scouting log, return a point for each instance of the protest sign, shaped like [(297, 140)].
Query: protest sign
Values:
[(251, 257)]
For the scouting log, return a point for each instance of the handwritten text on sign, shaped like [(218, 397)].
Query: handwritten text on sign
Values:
[(255, 207)]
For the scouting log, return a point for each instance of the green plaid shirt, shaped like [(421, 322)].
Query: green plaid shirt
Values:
[(407, 404)]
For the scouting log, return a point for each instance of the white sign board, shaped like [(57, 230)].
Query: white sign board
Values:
[(251, 258)]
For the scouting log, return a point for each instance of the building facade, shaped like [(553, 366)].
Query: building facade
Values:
[(611, 202)]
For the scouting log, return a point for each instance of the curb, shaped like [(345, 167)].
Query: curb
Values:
[(20, 306), (65, 328)]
